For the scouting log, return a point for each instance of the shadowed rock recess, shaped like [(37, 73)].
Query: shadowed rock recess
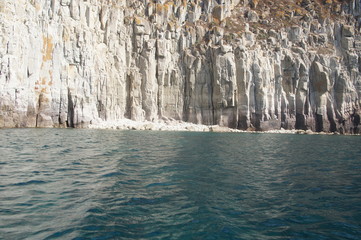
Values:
[(248, 64)]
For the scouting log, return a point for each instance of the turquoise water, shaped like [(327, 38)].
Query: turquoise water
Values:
[(101, 184)]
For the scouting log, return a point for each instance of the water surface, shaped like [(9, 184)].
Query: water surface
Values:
[(102, 184)]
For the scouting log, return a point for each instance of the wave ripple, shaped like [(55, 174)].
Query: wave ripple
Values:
[(101, 184)]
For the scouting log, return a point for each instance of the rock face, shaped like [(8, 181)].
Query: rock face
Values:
[(240, 64)]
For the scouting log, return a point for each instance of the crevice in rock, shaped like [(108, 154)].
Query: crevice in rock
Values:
[(71, 106), (128, 107), (355, 119), (59, 112), (300, 121), (38, 112), (319, 122)]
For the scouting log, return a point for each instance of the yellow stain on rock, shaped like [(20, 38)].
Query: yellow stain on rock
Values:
[(44, 90), (66, 35), (2, 6), (50, 77), (159, 8), (37, 7), (138, 21), (48, 47), (168, 5)]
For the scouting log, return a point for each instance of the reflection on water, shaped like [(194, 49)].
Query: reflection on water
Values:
[(99, 184)]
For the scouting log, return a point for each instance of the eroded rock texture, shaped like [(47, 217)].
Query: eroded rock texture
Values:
[(243, 64)]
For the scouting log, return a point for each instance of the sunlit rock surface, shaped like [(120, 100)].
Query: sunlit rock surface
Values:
[(254, 65)]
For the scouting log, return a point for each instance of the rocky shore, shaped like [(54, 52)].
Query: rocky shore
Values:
[(174, 125)]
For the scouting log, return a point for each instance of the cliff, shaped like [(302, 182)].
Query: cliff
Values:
[(243, 64)]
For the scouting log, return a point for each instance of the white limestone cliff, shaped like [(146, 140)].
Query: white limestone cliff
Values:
[(72, 63)]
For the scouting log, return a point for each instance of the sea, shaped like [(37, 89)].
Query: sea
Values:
[(109, 184)]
